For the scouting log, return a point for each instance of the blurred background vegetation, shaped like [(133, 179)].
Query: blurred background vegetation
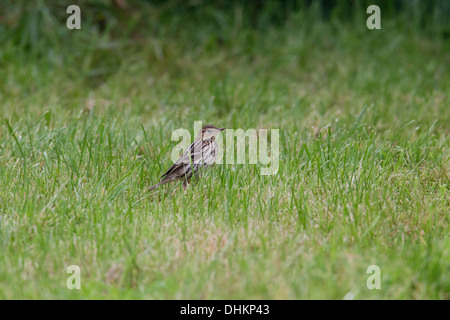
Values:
[(34, 24), (115, 29), (167, 39), (299, 49)]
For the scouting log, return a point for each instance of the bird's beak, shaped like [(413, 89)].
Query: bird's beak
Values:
[(221, 129)]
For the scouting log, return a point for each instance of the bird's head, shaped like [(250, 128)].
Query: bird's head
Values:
[(210, 132)]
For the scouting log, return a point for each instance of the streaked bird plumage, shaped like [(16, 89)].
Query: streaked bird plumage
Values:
[(201, 154)]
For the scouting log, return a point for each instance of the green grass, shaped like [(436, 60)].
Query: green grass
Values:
[(364, 171)]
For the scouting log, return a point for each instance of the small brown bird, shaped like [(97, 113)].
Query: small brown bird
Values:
[(199, 155)]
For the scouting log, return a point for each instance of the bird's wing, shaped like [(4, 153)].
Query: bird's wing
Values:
[(192, 154)]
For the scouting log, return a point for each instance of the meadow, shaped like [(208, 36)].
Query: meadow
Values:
[(86, 123)]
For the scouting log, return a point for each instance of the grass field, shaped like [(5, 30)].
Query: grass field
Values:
[(363, 179)]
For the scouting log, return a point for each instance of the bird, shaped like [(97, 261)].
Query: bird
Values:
[(201, 154)]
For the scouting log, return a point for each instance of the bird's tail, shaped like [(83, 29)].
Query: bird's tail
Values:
[(156, 185)]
